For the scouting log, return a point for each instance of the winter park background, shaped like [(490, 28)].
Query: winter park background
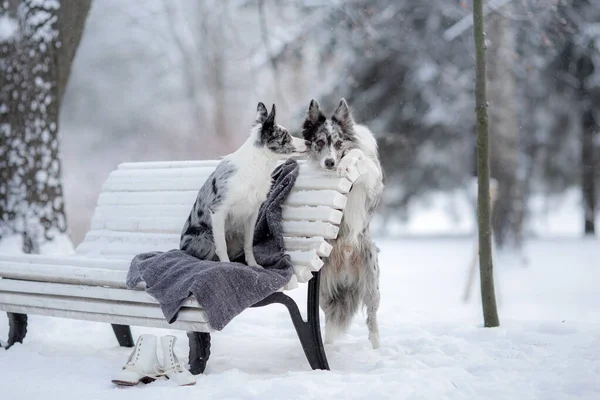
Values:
[(179, 80)]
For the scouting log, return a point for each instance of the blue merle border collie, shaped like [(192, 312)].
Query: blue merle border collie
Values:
[(221, 223), (350, 275)]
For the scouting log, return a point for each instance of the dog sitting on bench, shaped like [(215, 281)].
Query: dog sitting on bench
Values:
[(221, 222)]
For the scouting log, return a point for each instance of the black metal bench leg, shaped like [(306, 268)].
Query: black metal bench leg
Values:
[(309, 332), (199, 351), (123, 334), (17, 328), (313, 328)]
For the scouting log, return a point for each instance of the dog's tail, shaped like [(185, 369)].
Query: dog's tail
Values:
[(339, 301), (200, 245)]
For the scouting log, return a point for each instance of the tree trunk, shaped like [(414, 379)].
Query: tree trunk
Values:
[(35, 62), (588, 178), (486, 268), (506, 218), (584, 69)]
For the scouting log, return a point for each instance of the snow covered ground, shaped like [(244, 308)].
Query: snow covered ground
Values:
[(452, 213), (433, 345)]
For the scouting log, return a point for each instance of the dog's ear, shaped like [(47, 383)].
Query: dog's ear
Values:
[(313, 112), (314, 117), (269, 122), (261, 113), (343, 115)]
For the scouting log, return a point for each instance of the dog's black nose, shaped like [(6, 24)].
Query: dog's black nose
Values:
[(329, 163)]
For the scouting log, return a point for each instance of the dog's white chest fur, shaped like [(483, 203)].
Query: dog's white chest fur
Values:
[(355, 213), (366, 188), (248, 188)]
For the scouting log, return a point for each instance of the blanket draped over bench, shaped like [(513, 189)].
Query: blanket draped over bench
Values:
[(223, 289)]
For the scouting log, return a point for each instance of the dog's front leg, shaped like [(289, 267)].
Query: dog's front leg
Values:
[(370, 174), (218, 227), (349, 161), (249, 240), (368, 170)]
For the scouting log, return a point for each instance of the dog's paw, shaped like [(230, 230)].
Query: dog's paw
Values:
[(224, 258), (375, 342), (252, 263), (347, 165)]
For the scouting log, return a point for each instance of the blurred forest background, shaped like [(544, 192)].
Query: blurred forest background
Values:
[(180, 79)]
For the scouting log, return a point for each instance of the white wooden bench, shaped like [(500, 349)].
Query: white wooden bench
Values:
[(142, 207)]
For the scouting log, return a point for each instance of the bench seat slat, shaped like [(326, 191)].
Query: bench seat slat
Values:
[(64, 274), (75, 260), (152, 238), (193, 326), (84, 291), (98, 306), (102, 272)]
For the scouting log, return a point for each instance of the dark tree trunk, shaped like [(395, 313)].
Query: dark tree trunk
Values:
[(588, 178), (35, 64), (584, 69), (486, 267)]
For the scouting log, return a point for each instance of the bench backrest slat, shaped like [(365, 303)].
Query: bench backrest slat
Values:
[(143, 206)]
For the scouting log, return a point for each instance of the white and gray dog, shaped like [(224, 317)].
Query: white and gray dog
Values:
[(222, 220), (350, 276)]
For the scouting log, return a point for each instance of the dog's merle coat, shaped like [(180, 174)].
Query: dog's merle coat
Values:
[(221, 223), (350, 276), (197, 234)]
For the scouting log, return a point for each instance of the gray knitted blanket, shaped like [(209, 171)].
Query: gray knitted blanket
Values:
[(223, 289)]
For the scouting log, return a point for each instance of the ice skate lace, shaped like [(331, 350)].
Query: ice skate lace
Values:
[(130, 361), (174, 365), (133, 358)]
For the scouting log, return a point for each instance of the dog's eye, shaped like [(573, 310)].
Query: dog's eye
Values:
[(320, 143), (338, 145)]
